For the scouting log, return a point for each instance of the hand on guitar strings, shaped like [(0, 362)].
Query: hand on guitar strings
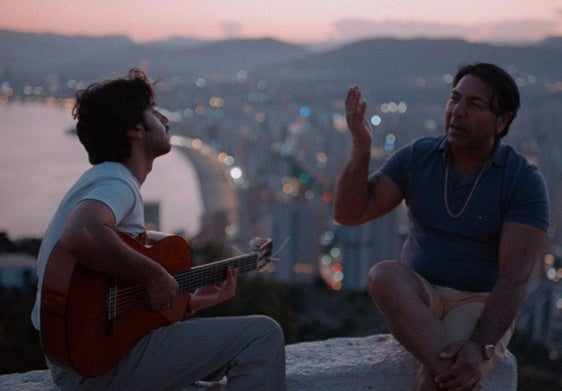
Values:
[(211, 295), (162, 289)]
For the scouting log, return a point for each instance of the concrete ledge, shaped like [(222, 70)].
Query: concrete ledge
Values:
[(28, 381), (376, 362)]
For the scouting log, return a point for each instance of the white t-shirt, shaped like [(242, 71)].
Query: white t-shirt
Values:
[(111, 183)]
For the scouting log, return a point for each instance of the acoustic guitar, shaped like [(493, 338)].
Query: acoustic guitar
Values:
[(90, 321)]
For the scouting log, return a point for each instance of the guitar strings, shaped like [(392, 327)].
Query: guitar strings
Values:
[(188, 275), (125, 298), (122, 300), (196, 277), (280, 248), (128, 298)]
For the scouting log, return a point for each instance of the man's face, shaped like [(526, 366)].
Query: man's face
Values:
[(157, 134), (470, 121)]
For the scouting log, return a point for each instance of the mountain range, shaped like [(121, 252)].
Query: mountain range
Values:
[(28, 58)]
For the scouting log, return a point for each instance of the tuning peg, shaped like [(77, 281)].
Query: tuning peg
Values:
[(257, 243)]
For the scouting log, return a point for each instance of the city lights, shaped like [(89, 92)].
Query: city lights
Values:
[(268, 140), (216, 101), (376, 120), (236, 173), (304, 111)]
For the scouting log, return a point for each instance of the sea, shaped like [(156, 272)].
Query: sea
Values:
[(41, 157)]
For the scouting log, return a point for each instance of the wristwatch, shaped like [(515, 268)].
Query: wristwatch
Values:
[(488, 351)]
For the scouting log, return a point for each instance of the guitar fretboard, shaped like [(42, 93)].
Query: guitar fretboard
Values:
[(212, 273), (123, 300)]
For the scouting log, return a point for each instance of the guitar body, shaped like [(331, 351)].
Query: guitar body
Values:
[(77, 329)]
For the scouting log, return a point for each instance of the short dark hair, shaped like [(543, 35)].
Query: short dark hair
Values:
[(504, 88), (106, 111)]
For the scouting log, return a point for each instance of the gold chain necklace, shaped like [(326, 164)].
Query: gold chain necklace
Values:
[(445, 196)]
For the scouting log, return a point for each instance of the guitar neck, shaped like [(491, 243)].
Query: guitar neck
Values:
[(200, 276)]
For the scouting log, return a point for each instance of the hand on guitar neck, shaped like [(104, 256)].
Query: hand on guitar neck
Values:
[(214, 294), (201, 298)]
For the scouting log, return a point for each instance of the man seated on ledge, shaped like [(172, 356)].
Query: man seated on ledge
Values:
[(478, 216), (123, 132)]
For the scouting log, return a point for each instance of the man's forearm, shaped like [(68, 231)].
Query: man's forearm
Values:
[(500, 311), (351, 195)]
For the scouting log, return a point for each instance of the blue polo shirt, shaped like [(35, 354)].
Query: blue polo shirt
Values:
[(462, 253)]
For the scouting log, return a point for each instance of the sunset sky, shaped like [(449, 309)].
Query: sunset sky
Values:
[(294, 21)]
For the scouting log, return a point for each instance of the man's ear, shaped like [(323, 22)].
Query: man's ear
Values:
[(501, 123), (136, 132)]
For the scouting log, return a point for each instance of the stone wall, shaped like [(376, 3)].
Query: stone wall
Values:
[(376, 362)]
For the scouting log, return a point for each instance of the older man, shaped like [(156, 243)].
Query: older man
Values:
[(478, 216)]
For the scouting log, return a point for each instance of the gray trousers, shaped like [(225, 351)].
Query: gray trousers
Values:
[(248, 350)]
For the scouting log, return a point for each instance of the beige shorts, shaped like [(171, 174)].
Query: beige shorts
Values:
[(459, 312)]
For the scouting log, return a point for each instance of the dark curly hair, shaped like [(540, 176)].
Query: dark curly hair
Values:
[(106, 111), (505, 94)]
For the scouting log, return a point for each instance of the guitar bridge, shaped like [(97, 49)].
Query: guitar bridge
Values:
[(111, 309)]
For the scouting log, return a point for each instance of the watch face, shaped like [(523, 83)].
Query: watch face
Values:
[(488, 352)]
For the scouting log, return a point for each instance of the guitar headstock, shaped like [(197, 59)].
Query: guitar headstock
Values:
[(262, 248)]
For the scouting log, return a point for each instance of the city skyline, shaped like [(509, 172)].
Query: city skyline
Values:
[(324, 21)]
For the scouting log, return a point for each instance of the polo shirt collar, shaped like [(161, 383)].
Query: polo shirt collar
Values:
[(499, 152)]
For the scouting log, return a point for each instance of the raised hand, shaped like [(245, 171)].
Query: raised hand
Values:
[(355, 108)]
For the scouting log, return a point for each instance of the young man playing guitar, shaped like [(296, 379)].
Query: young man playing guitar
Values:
[(90, 236)]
